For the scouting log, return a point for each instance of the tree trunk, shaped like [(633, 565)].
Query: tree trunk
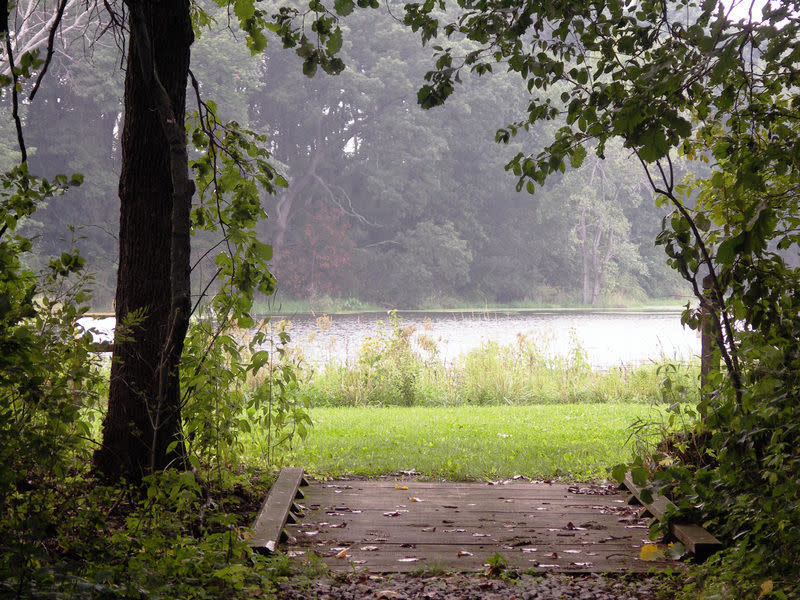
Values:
[(143, 416), (585, 253)]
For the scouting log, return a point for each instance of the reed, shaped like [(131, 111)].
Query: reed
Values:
[(401, 366)]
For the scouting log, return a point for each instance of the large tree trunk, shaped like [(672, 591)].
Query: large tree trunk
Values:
[(143, 416)]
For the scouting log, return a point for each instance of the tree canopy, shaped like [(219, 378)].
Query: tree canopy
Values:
[(714, 86)]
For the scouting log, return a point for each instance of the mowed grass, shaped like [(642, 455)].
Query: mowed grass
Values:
[(568, 441)]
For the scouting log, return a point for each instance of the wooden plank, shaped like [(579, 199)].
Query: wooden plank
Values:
[(585, 532), (696, 539), (465, 510), (455, 487), (392, 558), (467, 537), (268, 527)]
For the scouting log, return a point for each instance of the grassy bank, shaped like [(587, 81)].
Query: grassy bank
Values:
[(329, 305), (570, 441)]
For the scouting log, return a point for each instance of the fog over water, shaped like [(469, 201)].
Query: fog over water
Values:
[(609, 339)]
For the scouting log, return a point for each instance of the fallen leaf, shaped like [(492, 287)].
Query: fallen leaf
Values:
[(766, 588), (342, 554), (386, 595), (650, 552), (400, 487), (341, 525), (552, 555), (414, 499), (464, 553), (676, 551)]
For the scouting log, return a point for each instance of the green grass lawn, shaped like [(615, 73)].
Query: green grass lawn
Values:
[(567, 441)]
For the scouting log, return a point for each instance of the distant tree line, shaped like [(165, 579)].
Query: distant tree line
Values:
[(387, 203)]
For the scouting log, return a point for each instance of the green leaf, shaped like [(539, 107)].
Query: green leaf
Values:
[(244, 9), (618, 473), (262, 251), (577, 156), (726, 253), (334, 41), (343, 7), (640, 475), (310, 66)]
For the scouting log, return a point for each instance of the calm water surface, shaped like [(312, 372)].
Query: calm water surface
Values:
[(609, 339)]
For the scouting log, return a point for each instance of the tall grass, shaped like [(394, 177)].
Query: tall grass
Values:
[(401, 366)]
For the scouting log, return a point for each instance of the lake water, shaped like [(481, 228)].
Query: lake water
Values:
[(608, 338)]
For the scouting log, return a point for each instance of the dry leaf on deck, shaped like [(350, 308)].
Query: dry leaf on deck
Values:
[(650, 552)]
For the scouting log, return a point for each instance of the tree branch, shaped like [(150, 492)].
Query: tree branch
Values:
[(50, 41), (15, 100)]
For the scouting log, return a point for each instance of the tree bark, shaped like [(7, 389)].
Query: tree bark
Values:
[(143, 417)]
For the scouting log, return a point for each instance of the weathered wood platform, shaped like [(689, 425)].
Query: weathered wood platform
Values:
[(394, 526), (276, 511), (698, 541)]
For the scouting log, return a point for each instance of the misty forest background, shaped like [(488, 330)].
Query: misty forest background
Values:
[(388, 205)]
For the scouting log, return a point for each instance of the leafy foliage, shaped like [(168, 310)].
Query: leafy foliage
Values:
[(680, 76), (403, 366), (49, 380)]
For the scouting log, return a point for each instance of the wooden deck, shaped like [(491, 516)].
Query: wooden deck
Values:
[(394, 526)]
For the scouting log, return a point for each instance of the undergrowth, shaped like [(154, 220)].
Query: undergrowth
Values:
[(401, 366)]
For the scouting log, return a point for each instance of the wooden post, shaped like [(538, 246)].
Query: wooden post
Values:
[(706, 338)]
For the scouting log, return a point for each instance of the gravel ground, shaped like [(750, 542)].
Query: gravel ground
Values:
[(475, 587)]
